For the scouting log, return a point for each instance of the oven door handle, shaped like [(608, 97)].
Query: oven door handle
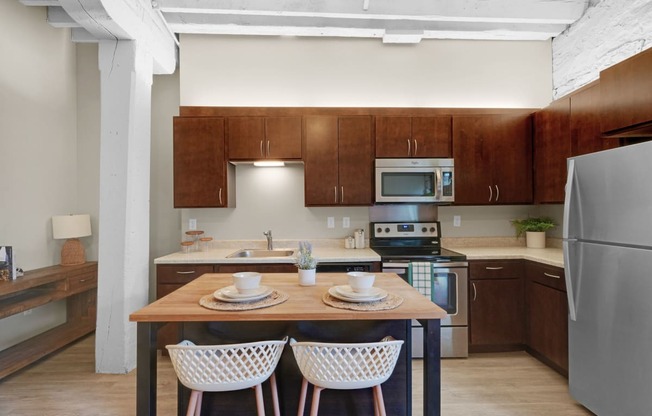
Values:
[(400, 265)]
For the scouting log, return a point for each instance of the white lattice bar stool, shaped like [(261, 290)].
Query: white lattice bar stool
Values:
[(212, 368), (345, 367)]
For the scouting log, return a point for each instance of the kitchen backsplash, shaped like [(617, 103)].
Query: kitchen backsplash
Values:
[(273, 199)]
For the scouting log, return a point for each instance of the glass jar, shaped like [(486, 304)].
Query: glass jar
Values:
[(205, 243)]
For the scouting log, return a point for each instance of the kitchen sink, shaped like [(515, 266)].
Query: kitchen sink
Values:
[(246, 252)]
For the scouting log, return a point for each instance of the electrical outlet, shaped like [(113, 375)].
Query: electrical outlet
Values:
[(346, 222), (192, 224), (330, 222), (457, 221)]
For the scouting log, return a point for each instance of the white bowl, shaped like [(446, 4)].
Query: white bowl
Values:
[(246, 282), (361, 282)]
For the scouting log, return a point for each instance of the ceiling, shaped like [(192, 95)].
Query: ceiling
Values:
[(393, 21)]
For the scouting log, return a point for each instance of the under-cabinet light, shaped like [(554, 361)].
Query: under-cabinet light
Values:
[(269, 163)]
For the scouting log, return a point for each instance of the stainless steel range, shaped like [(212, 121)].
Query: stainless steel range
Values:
[(400, 244)]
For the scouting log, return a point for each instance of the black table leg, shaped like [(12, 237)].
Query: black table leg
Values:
[(146, 369), (431, 367)]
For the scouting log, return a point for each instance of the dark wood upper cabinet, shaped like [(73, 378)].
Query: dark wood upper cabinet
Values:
[(568, 127), (254, 138), (552, 146), (585, 132), (338, 160), (413, 136), (493, 159), (626, 97), (320, 159), (356, 164), (201, 172)]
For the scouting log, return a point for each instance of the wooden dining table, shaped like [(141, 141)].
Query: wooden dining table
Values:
[(304, 315)]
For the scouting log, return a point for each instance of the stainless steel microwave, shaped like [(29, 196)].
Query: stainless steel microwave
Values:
[(415, 181)]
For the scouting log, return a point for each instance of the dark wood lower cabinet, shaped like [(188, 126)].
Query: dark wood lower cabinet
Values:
[(547, 316), (496, 305), (516, 305), (497, 314)]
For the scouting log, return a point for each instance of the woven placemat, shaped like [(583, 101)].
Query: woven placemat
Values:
[(390, 302), (274, 298)]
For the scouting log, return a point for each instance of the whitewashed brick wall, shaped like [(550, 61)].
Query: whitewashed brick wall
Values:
[(609, 32)]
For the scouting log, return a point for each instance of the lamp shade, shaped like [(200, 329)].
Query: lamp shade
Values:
[(71, 226)]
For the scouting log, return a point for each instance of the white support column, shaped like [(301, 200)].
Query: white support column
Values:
[(126, 81)]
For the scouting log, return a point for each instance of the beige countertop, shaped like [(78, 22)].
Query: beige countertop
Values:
[(324, 252), (550, 256), (333, 251)]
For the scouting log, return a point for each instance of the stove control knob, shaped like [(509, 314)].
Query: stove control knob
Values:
[(424, 229), (432, 229), (379, 230), (387, 229)]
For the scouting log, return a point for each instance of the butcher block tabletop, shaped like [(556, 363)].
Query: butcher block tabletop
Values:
[(304, 302)]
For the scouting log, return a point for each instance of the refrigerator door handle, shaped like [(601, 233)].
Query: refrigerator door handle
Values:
[(569, 195), (570, 290)]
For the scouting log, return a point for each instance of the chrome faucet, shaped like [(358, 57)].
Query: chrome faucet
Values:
[(270, 243)]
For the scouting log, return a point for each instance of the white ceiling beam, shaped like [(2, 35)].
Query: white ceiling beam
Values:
[(318, 26), (127, 19), (57, 17), (507, 11), (40, 2)]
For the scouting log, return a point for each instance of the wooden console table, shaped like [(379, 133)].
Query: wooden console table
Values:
[(76, 284)]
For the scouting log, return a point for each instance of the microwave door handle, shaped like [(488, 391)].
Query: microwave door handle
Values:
[(440, 185)]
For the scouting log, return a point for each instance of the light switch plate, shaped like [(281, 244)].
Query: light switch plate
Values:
[(346, 222), (330, 222), (192, 224), (457, 221)]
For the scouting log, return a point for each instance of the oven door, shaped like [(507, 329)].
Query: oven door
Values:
[(451, 287)]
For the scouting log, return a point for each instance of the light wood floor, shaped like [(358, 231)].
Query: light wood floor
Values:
[(65, 384)]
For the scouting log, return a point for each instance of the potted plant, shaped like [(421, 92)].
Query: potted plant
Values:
[(306, 263), (534, 229)]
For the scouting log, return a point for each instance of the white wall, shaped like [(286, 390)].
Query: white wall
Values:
[(609, 32), (277, 71), (38, 148)]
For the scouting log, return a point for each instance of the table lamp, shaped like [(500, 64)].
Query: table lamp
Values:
[(71, 228)]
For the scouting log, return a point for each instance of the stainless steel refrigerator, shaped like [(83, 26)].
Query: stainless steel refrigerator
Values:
[(608, 265)]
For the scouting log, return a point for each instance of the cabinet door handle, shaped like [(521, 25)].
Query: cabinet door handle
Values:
[(262, 154), (335, 193), (416, 147), (491, 193), (267, 148), (187, 272), (220, 196), (494, 268), (551, 275), (409, 148), (497, 193), (342, 199), (82, 280), (475, 292)]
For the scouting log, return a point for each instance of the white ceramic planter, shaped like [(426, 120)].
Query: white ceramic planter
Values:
[(307, 277), (535, 239)]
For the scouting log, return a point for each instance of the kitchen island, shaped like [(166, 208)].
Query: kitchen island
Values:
[(306, 317)]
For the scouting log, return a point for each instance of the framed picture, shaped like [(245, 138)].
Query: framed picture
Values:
[(7, 268)]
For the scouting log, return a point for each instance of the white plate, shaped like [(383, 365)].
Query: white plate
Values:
[(230, 294), (347, 291), (368, 298)]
